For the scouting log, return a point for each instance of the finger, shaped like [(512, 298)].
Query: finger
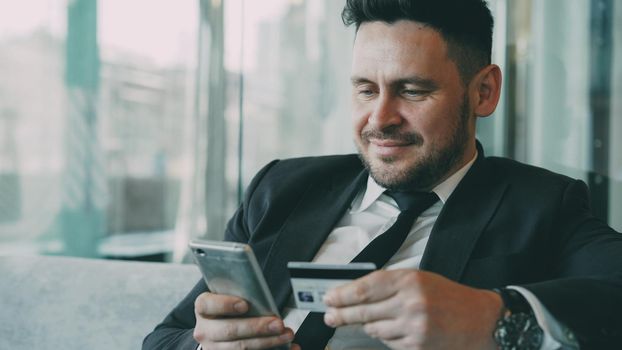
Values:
[(253, 343), (385, 330), (360, 314), (295, 347), (370, 288), (209, 305), (243, 328)]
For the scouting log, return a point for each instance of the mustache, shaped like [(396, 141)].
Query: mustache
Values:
[(393, 134)]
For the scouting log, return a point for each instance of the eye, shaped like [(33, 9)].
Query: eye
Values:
[(365, 92), (414, 93)]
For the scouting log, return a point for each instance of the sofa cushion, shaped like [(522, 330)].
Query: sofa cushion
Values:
[(74, 303)]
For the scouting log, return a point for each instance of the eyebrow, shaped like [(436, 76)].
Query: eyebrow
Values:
[(414, 80)]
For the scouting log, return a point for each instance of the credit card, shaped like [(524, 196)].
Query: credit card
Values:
[(310, 281)]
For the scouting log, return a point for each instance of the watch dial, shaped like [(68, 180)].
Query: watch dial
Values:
[(519, 331), (532, 335)]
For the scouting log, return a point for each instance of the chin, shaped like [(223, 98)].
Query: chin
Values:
[(391, 173), (409, 171)]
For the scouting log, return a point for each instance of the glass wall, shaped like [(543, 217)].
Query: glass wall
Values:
[(563, 93), (559, 108), (97, 123), (296, 67), (129, 127), (285, 71)]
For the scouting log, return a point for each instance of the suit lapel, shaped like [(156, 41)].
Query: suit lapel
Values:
[(304, 231), (462, 219)]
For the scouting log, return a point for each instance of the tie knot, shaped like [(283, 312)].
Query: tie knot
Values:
[(418, 201)]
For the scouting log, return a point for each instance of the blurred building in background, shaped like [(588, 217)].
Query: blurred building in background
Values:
[(126, 128)]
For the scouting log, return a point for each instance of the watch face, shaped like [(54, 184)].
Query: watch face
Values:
[(519, 332), (532, 338)]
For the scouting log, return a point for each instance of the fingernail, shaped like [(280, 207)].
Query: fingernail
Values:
[(327, 299), (329, 319), (275, 326), (240, 307), (286, 336)]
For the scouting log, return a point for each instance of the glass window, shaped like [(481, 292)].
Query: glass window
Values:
[(97, 120), (126, 128), (286, 76), (295, 61), (563, 93)]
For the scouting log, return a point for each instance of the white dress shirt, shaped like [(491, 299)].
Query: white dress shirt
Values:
[(371, 213)]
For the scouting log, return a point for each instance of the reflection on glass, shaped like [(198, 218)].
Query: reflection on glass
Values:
[(296, 92), (127, 127), (564, 113), (96, 119)]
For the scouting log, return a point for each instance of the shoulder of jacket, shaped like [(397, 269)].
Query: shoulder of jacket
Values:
[(516, 171), (316, 165), (288, 174)]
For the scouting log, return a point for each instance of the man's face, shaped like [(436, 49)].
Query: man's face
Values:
[(412, 120)]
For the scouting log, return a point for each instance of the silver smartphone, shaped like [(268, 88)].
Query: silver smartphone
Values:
[(231, 268)]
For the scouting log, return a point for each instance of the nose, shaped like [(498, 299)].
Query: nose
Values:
[(385, 112)]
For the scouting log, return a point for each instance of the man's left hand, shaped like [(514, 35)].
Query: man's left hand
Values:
[(412, 309)]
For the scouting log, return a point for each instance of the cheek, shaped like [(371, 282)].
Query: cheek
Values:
[(359, 119), (433, 129), (436, 125)]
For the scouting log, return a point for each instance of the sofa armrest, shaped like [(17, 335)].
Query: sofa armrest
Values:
[(74, 303)]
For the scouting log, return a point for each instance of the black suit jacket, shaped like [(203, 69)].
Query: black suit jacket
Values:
[(505, 223)]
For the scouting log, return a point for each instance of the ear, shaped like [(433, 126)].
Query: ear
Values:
[(485, 90)]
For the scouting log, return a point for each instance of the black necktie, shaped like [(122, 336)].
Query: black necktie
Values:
[(313, 334)]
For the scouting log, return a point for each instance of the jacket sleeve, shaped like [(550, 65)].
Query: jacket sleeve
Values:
[(175, 331), (587, 295)]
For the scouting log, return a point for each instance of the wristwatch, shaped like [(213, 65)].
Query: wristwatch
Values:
[(518, 328)]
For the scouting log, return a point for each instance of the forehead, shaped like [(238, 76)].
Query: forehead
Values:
[(400, 48)]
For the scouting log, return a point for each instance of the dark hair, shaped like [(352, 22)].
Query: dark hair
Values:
[(465, 25)]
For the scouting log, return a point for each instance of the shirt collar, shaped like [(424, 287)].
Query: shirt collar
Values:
[(373, 190)]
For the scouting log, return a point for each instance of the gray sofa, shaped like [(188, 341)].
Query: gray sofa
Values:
[(72, 303)]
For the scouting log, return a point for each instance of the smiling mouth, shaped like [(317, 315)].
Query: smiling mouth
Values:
[(389, 143), (391, 138), (389, 149)]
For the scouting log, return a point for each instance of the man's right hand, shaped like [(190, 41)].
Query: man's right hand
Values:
[(221, 325)]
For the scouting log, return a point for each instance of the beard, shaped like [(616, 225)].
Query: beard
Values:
[(428, 171)]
